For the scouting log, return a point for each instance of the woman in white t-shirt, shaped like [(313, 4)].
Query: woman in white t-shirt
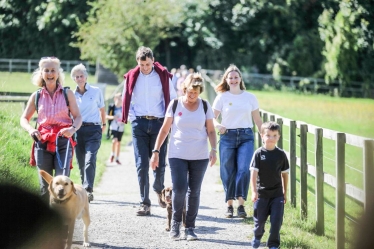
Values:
[(236, 145), (191, 127)]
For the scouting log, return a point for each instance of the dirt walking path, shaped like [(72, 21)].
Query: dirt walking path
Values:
[(114, 223)]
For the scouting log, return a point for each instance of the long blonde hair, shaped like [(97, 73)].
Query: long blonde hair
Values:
[(223, 86), (37, 78)]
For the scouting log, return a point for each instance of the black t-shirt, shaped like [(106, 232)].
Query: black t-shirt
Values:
[(270, 164)]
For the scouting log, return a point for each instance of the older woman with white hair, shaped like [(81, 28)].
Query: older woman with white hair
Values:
[(58, 119), (92, 108)]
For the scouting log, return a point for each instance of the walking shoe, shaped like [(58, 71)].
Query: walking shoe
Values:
[(160, 202), (189, 234), (111, 159), (90, 197), (241, 212), (143, 210), (175, 230), (230, 212), (255, 243), (118, 162)]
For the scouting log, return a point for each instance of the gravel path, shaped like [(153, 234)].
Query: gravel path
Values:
[(115, 225)]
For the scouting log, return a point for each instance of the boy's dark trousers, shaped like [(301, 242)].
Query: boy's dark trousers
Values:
[(262, 208)]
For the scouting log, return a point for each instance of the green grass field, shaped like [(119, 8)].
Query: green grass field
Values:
[(354, 116)]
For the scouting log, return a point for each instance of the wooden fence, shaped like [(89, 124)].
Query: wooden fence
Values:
[(298, 137)]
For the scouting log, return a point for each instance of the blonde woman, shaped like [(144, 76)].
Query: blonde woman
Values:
[(54, 121)]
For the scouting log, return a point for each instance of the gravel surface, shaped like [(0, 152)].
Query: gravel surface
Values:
[(115, 225)]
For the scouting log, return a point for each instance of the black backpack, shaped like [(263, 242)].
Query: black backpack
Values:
[(175, 104), (37, 97)]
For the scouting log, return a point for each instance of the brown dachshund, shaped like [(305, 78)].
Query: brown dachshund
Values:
[(166, 196)]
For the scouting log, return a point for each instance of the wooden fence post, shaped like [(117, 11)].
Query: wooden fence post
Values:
[(272, 118), (340, 190), (292, 149), (319, 181), (280, 141), (368, 172), (303, 171), (265, 117)]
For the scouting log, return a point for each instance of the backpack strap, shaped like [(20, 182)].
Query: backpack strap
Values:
[(175, 104), (205, 105), (37, 97)]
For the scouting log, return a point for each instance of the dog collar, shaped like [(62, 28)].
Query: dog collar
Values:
[(57, 201)]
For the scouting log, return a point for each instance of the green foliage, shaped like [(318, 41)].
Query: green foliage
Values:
[(15, 150), (347, 33), (114, 30)]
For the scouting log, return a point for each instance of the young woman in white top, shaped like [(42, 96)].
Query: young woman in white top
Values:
[(236, 145), (191, 127)]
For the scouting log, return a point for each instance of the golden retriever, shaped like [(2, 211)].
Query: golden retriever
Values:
[(166, 196), (71, 201)]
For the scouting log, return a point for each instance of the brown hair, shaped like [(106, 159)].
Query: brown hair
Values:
[(193, 81), (143, 53), (223, 86), (270, 125)]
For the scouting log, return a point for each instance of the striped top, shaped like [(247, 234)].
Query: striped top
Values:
[(53, 111)]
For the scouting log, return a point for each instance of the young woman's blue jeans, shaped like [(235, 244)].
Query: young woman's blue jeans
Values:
[(235, 152), (144, 134), (262, 208), (187, 177)]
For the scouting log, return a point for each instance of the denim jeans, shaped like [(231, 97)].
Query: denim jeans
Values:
[(187, 177), (144, 134), (88, 144), (236, 151), (48, 161), (262, 208)]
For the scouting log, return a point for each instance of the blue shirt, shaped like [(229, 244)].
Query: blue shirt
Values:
[(89, 103)]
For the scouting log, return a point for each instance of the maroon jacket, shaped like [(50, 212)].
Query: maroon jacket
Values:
[(131, 77)]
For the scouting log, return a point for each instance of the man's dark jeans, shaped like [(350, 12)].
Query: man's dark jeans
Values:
[(144, 134)]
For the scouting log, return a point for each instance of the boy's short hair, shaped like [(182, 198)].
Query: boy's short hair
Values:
[(143, 53), (270, 125)]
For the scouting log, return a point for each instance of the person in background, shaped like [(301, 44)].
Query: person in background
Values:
[(191, 127), (269, 182), (116, 127), (146, 95), (91, 105), (237, 107), (53, 146)]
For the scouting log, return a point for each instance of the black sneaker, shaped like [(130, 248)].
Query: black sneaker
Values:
[(190, 234), (241, 212), (175, 230), (230, 212)]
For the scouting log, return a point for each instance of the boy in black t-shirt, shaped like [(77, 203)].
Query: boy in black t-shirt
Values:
[(269, 180)]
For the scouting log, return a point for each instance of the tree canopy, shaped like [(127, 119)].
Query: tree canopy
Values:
[(327, 38)]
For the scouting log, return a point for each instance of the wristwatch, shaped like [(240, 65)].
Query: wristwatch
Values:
[(155, 151)]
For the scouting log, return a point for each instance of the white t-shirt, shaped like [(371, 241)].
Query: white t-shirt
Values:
[(189, 138), (236, 109)]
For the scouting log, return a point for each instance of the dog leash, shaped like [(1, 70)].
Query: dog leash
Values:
[(58, 155)]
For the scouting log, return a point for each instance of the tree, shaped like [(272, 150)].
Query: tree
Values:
[(114, 30)]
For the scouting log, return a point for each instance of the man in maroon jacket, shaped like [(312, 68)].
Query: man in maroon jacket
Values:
[(146, 96)]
